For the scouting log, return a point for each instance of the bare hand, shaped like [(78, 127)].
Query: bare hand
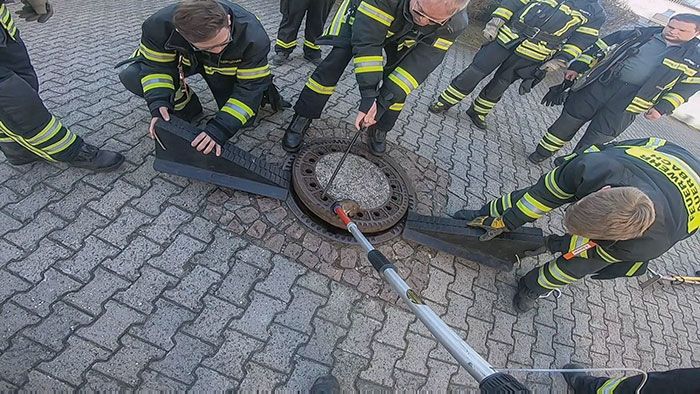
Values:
[(570, 75), (491, 30), (205, 144), (553, 65), (163, 115), (366, 119), (652, 114)]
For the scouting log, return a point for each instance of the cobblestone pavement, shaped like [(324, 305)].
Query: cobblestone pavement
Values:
[(136, 279)]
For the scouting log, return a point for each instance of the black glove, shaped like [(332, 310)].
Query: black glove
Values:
[(493, 226), (529, 83), (36, 10), (273, 97), (557, 94)]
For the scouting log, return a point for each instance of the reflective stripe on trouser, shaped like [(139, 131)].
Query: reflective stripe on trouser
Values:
[(320, 86), (559, 273), (293, 12), (498, 207)]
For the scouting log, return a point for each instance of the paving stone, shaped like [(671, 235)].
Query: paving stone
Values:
[(96, 381), (11, 284), (91, 296), (208, 380), (213, 319), (301, 310), (192, 197), (304, 375), (74, 360), (237, 285), (74, 235), (192, 287), (395, 327), (439, 375), (416, 354), (381, 365), (360, 335), (144, 291), (32, 203), (314, 282), (8, 223), (19, 358), (32, 232), (8, 252), (233, 353), (323, 341), (278, 351), (14, 319), (78, 196), (259, 378), (347, 368), (151, 201), (130, 259), (336, 309), (177, 255), (163, 227), (280, 279), (39, 382), (111, 325), (112, 202), (132, 357), (199, 228), (161, 325), (82, 263), (154, 381), (51, 288), (258, 316), (220, 252), (53, 331), (181, 361)]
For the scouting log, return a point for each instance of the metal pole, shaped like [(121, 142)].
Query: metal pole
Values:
[(342, 160)]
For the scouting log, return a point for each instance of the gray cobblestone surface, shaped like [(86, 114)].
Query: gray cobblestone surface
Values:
[(136, 279)]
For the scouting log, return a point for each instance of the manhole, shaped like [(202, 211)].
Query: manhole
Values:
[(377, 184)]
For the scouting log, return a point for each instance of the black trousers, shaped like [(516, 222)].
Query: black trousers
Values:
[(509, 67), (603, 104), (676, 381), (322, 83), (293, 12), (24, 119)]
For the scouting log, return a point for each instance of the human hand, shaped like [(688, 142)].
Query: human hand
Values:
[(205, 144), (163, 115), (570, 75), (366, 119), (553, 65), (652, 114), (492, 27)]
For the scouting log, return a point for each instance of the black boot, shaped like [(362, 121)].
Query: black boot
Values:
[(477, 119), (96, 159), (574, 379), (376, 141), (280, 58), (439, 107), (314, 58), (467, 214), (524, 299), (326, 384), (192, 110), (16, 154), (536, 157), (294, 135), (559, 161)]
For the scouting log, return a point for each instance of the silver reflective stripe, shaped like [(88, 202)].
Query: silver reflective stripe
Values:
[(239, 110)]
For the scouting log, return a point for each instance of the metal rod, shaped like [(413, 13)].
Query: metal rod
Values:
[(342, 160)]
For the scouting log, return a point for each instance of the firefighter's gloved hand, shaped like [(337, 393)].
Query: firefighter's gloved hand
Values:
[(493, 226), (553, 65), (555, 96), (491, 29), (36, 10)]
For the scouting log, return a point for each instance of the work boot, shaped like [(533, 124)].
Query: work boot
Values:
[(192, 110), (376, 141), (574, 379), (314, 58), (476, 119), (467, 214), (326, 384), (537, 158), (280, 58), (294, 135), (93, 158), (438, 107), (16, 154), (524, 299)]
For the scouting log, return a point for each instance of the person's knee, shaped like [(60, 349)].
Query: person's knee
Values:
[(129, 77)]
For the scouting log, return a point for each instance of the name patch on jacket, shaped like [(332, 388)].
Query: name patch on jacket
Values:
[(680, 174)]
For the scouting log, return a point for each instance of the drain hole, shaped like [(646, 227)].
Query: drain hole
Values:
[(312, 160), (393, 186), (313, 184), (375, 213), (394, 198), (360, 214), (324, 198), (388, 207)]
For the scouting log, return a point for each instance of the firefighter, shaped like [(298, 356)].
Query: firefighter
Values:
[(629, 203), (293, 12), (415, 34), (653, 70), (527, 39), (675, 381), (220, 40), (28, 131)]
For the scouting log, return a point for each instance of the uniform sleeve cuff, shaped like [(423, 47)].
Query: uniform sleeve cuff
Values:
[(366, 103), (154, 108), (217, 133)]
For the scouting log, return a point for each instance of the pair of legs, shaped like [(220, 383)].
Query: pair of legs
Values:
[(676, 381), (603, 104), (28, 131), (509, 67), (293, 12)]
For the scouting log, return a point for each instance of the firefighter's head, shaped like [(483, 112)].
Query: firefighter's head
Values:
[(682, 28), (612, 214), (435, 12), (203, 23)]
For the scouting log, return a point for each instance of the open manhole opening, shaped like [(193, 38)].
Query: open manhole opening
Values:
[(377, 184)]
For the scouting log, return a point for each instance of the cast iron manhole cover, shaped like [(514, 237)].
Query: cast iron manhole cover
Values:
[(377, 184)]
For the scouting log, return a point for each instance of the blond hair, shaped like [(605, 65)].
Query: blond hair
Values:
[(614, 214)]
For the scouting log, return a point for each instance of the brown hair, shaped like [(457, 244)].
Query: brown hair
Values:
[(614, 214), (688, 18), (199, 20)]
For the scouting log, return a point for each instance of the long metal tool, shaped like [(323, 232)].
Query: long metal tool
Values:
[(342, 160), (490, 380)]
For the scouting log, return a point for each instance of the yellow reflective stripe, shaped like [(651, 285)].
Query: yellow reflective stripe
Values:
[(254, 73), (396, 106), (550, 183), (503, 13), (654, 142), (560, 275), (403, 79), (442, 43), (588, 30), (588, 59), (576, 242), (674, 98), (532, 208), (635, 267), (185, 61), (318, 88), (285, 45), (230, 71), (572, 50), (159, 57), (483, 106), (602, 44), (338, 19), (493, 209), (447, 98), (606, 256), (61, 145), (311, 45), (375, 13), (50, 130), (679, 66), (238, 110), (609, 386), (544, 282), (453, 91), (530, 53), (7, 22), (20, 140), (691, 80), (154, 81), (366, 64), (506, 202)]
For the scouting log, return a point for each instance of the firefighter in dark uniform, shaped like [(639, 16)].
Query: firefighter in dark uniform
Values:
[(653, 70), (293, 12), (532, 37), (675, 381), (415, 34), (220, 40), (28, 131), (630, 202)]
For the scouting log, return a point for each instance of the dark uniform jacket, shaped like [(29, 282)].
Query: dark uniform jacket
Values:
[(368, 26), (163, 50), (8, 29), (540, 29), (672, 83), (667, 173)]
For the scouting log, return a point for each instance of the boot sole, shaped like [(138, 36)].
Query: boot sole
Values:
[(290, 149), (536, 161), (105, 169)]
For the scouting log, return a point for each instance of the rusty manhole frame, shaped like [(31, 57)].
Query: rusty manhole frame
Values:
[(306, 203)]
